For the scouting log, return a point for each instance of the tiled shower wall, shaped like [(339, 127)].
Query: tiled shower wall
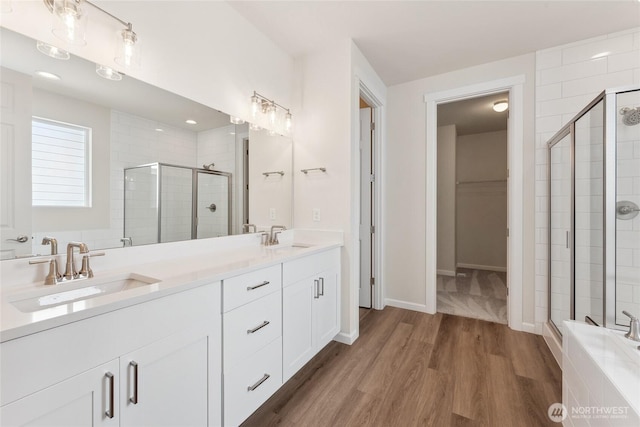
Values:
[(567, 79)]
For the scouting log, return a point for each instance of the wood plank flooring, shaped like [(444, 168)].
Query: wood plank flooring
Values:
[(415, 369)]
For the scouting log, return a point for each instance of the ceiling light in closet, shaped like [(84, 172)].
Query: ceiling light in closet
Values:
[(500, 106), (108, 73), (191, 122), (47, 75)]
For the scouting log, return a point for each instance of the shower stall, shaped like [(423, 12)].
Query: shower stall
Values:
[(594, 226), (168, 203)]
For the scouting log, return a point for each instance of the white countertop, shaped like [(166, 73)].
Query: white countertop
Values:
[(176, 275), (617, 357)]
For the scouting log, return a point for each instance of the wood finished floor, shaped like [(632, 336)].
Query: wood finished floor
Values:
[(415, 369)]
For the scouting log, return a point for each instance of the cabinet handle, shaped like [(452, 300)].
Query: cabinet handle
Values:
[(567, 239), (250, 288), (322, 286), (134, 399), (111, 411), (315, 289), (257, 328), (259, 383)]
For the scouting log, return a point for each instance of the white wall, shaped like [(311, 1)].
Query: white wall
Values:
[(447, 200), (481, 214), (567, 80), (404, 177)]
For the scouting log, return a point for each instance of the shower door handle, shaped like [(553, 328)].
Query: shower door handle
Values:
[(567, 238), (212, 207)]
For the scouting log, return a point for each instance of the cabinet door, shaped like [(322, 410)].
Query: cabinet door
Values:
[(325, 313), (297, 326), (82, 400), (165, 383)]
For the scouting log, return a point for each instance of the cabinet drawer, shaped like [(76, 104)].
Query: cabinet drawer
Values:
[(251, 381), (296, 270), (248, 287), (251, 327)]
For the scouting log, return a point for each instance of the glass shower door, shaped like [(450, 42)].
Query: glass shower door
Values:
[(589, 215), (213, 204), (560, 236), (141, 204)]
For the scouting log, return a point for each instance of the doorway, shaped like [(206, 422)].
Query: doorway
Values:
[(472, 208), (367, 191)]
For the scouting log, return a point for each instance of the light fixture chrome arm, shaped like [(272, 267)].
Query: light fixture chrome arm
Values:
[(49, 4)]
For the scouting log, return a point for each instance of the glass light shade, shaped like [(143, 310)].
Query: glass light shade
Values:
[(254, 126), (288, 121), (127, 49), (236, 120), (52, 51), (255, 105), (70, 21), (108, 73), (272, 113), (500, 106)]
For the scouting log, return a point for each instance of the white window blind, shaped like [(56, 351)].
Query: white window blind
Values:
[(60, 159)]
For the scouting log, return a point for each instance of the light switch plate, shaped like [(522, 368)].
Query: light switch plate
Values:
[(272, 213), (316, 214)]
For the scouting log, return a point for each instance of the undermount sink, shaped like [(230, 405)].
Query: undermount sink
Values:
[(70, 292)]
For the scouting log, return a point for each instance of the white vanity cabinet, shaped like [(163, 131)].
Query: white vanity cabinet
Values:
[(156, 363), (252, 343), (311, 304)]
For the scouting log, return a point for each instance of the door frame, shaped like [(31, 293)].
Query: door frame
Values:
[(515, 137)]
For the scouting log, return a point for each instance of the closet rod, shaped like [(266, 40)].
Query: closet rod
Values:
[(481, 181)]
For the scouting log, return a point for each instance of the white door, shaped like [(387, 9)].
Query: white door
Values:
[(15, 165), (87, 399), (366, 191), (166, 383)]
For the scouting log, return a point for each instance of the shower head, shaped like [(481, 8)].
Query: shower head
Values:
[(630, 116), (209, 166)]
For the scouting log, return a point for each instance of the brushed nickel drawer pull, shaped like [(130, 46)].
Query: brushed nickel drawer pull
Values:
[(322, 286), (250, 288), (257, 328), (111, 411), (259, 383), (134, 399), (316, 286)]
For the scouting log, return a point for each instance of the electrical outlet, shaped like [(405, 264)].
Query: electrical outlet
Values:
[(316, 214), (272, 213)]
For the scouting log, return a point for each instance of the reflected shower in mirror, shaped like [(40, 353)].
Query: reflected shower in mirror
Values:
[(74, 188)]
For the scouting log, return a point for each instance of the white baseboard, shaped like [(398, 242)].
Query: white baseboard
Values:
[(446, 273), (530, 327), (482, 267), (407, 305), (345, 338)]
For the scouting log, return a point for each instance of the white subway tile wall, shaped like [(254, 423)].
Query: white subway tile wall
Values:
[(567, 79)]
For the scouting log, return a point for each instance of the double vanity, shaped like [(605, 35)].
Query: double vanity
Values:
[(202, 337)]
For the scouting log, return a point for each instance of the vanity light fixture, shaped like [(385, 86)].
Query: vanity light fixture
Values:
[(108, 73), (70, 21), (236, 120), (52, 51), (500, 106), (270, 108)]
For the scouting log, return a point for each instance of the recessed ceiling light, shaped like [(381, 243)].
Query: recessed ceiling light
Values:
[(47, 75), (236, 120), (191, 122), (600, 55), (500, 106), (159, 130)]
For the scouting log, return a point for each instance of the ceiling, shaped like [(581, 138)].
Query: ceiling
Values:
[(408, 40), (474, 115)]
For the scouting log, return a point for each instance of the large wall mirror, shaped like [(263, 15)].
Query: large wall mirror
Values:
[(119, 163)]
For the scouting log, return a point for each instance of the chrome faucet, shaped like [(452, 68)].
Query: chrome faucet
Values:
[(634, 327), (273, 236), (53, 242), (70, 272)]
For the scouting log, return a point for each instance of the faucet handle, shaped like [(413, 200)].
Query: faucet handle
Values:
[(634, 327), (54, 277)]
